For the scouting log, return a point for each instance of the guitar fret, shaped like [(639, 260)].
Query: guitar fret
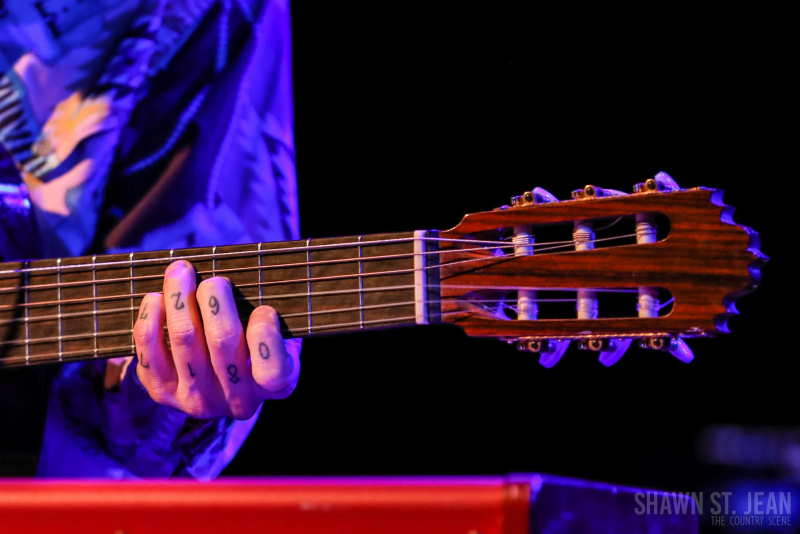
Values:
[(308, 274), (60, 316), (361, 282), (94, 297), (26, 292), (214, 261), (133, 312), (260, 277)]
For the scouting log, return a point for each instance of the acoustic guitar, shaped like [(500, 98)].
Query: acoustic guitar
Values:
[(600, 270)]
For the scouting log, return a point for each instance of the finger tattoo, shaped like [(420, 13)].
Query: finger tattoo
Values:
[(232, 372), (179, 305), (214, 303), (142, 362), (144, 312), (263, 351)]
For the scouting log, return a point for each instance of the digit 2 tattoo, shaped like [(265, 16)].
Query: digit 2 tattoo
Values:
[(232, 372), (263, 351), (143, 315), (179, 305), (214, 303)]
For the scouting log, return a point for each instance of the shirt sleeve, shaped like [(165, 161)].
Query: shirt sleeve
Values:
[(237, 185)]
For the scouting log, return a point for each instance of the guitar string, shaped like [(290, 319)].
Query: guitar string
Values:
[(123, 350), (91, 313), (549, 246), (245, 253), (496, 259)]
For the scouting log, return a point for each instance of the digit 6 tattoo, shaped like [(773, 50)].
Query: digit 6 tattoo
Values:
[(214, 303), (178, 304)]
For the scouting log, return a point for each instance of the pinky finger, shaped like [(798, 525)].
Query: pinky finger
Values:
[(275, 369)]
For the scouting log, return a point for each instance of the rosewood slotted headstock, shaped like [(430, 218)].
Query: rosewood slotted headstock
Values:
[(690, 259)]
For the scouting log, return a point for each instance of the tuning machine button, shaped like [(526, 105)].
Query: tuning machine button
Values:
[(550, 350)]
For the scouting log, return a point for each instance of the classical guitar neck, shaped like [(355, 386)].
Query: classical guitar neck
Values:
[(84, 308)]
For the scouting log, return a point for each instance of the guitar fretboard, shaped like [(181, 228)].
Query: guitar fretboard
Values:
[(83, 308)]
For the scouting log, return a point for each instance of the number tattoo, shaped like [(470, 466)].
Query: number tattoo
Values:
[(263, 351), (232, 370), (191, 373), (214, 303), (178, 304), (144, 312), (141, 361)]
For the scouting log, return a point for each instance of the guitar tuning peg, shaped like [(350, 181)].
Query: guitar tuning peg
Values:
[(550, 350), (675, 346), (555, 350), (681, 350), (669, 183), (615, 351), (660, 182), (529, 198), (544, 194)]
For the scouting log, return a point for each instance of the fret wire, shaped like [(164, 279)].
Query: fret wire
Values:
[(260, 277), (60, 321), (284, 266), (361, 281), (27, 318), (308, 272), (94, 298), (133, 313), (214, 261)]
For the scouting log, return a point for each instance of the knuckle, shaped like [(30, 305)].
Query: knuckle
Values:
[(241, 409), (223, 337), (183, 332), (143, 332)]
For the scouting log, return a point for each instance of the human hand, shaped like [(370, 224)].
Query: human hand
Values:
[(211, 367)]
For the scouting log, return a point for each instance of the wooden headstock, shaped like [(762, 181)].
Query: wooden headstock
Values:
[(698, 256)]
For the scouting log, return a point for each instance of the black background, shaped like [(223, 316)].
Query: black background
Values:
[(409, 116)]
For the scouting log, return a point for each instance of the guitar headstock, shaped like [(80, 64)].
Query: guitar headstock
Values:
[(603, 269)]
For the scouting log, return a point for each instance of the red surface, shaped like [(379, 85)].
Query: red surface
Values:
[(490, 505)]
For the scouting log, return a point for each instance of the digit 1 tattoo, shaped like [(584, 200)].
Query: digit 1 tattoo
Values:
[(143, 315), (191, 373), (178, 304), (141, 361), (232, 371), (214, 303), (263, 351)]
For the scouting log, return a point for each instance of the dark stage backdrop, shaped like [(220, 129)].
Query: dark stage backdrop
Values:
[(407, 117)]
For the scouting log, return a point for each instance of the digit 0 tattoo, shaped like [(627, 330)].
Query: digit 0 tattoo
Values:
[(214, 303), (141, 361), (178, 304), (232, 372), (144, 312), (263, 351)]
